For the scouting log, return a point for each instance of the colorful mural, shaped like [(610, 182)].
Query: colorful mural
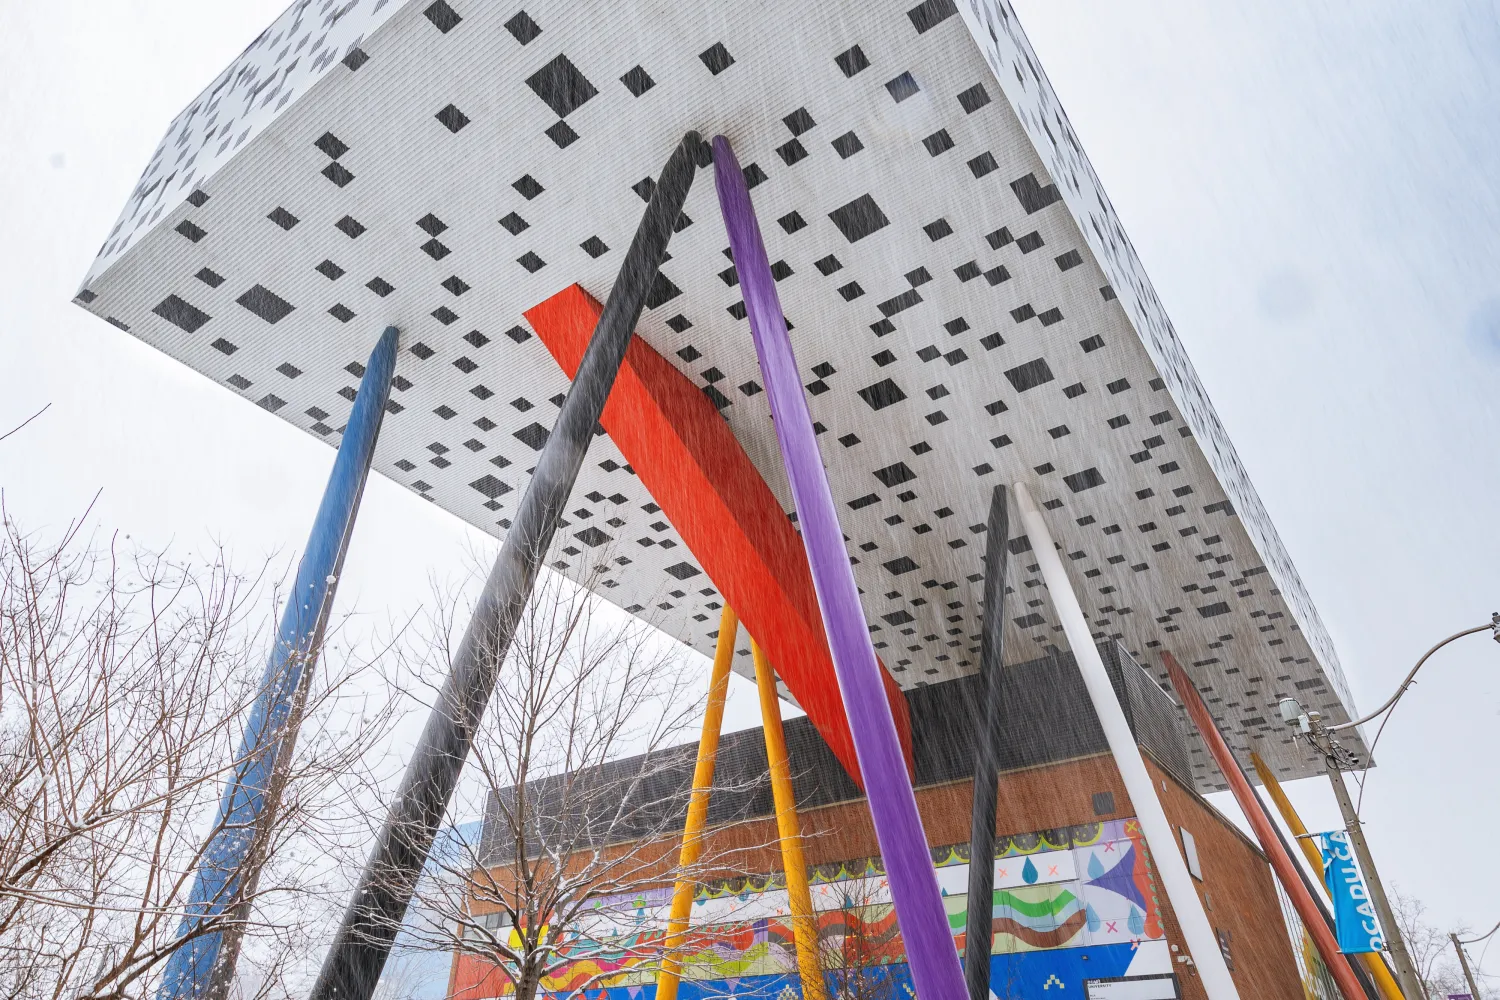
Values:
[(1071, 904)]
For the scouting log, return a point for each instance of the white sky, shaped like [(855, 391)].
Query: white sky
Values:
[(1312, 188)]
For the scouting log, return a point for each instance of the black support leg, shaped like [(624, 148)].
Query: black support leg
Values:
[(978, 937), (354, 962)]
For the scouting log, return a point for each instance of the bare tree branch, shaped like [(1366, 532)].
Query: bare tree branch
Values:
[(125, 683), (23, 423), (585, 759)]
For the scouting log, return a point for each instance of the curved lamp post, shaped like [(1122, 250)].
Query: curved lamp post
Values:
[(1309, 725)]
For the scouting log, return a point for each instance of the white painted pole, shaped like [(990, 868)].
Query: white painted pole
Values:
[(1170, 867)]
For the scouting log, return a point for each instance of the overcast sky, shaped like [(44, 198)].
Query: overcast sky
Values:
[(1312, 187)]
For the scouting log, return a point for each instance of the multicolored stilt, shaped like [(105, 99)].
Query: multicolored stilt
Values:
[(697, 814), (893, 805), (799, 897)]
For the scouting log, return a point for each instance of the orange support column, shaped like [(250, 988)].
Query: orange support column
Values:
[(1281, 862), (697, 814), (804, 923), (1374, 964)]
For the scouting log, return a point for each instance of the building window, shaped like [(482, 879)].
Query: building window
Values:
[(1190, 853)]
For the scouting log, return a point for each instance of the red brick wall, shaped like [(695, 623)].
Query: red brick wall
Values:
[(1237, 882), (1236, 878)]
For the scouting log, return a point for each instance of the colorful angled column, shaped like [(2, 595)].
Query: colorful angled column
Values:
[(1281, 862), (980, 923), (1374, 965), (793, 863), (363, 941), (697, 814), (203, 964), (1196, 931), (893, 805), (688, 459)]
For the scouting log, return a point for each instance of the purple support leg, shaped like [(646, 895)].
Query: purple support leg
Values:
[(893, 806)]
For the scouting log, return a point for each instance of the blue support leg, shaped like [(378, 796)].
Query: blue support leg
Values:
[(203, 963)]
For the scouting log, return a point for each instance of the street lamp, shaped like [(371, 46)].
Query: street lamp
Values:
[(1337, 759)]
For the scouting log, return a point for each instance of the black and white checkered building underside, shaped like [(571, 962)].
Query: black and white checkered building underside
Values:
[(963, 299)]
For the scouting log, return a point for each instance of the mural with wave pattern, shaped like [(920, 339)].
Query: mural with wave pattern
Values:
[(1068, 902)]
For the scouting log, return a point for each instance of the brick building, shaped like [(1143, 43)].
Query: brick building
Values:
[(1077, 916)]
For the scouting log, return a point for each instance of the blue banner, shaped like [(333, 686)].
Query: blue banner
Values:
[(1353, 913)]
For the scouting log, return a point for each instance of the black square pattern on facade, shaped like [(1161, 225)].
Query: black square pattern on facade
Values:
[(561, 86), (1032, 195), (798, 121), (859, 218), (442, 16), (882, 394), (562, 134), (902, 87), (181, 313), (637, 80), (338, 173), (928, 15), (528, 187), (974, 98), (1030, 375), (717, 58), (851, 61), (452, 118), (847, 145), (331, 145), (533, 435), (523, 28), (265, 303)]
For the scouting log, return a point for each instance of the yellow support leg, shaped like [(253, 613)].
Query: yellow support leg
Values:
[(804, 923), (697, 814), (1374, 965)]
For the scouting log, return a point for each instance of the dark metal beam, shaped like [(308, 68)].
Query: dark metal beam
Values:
[(359, 951), (979, 927)]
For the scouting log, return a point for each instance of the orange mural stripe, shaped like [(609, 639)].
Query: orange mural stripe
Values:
[(696, 471)]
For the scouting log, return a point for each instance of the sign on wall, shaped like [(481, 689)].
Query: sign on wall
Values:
[(1139, 988)]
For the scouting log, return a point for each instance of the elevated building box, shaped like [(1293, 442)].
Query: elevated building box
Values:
[(969, 312)]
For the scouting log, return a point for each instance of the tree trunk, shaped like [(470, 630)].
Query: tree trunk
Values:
[(529, 981)]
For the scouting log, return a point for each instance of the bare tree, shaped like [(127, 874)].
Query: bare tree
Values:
[(125, 680), (585, 759), (855, 940), (1431, 949)]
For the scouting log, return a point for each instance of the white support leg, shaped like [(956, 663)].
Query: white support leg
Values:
[(1170, 866)]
